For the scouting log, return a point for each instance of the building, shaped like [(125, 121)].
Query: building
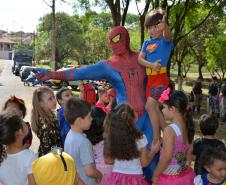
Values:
[(6, 48)]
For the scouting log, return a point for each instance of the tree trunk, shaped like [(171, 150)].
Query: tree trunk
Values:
[(180, 83), (58, 59), (142, 19), (169, 63), (115, 11), (54, 63), (142, 29), (179, 73), (179, 78), (125, 12), (200, 71)]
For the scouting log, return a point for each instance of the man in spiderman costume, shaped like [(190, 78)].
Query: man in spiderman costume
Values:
[(124, 73)]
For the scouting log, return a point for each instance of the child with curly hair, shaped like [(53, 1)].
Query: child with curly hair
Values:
[(126, 147)]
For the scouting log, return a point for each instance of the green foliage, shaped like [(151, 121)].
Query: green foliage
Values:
[(83, 39), (68, 37), (42, 46), (135, 39), (102, 20), (19, 45), (216, 54), (96, 46), (132, 21), (67, 62)]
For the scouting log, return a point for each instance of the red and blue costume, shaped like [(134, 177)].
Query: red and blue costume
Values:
[(125, 75), (157, 49)]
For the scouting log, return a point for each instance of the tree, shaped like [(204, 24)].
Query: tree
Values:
[(216, 55), (68, 36), (183, 16), (43, 46), (199, 38), (180, 52), (95, 29), (118, 8), (96, 46)]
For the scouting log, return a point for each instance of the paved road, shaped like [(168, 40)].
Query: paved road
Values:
[(11, 85)]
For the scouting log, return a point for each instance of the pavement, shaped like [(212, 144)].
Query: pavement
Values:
[(11, 85)]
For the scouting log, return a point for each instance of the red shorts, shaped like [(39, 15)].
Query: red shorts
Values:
[(156, 84)]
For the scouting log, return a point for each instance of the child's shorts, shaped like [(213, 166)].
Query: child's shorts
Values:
[(156, 84), (155, 92)]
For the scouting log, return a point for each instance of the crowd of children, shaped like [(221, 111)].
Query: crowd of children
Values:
[(105, 147), (99, 144)]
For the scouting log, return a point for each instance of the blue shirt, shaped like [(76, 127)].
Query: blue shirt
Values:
[(207, 182), (157, 49), (64, 125)]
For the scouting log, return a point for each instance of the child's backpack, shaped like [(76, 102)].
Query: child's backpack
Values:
[(90, 93)]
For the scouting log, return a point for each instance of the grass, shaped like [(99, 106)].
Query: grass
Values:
[(43, 66)]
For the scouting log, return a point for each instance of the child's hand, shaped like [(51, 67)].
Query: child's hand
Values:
[(99, 177), (81, 87), (156, 65), (155, 179), (162, 23), (155, 147)]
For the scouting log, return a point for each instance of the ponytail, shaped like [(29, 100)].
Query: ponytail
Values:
[(179, 100), (189, 124), (3, 154)]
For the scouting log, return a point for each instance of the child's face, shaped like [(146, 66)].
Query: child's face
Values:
[(25, 129), (48, 101), (85, 122), (167, 112), (14, 108), (104, 98), (65, 96), (217, 170), (155, 31)]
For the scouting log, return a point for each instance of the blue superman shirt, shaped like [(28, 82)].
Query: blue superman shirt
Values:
[(157, 49)]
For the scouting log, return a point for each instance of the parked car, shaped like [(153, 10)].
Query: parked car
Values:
[(25, 72)]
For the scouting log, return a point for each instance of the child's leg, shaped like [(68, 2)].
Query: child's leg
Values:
[(156, 117)]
